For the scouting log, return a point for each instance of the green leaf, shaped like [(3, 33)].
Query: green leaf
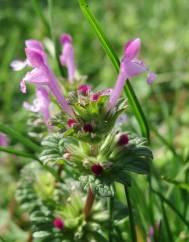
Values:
[(41, 234), (100, 188), (17, 152), (19, 137), (53, 149)]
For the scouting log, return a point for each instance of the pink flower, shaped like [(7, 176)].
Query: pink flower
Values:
[(40, 104), (67, 56), (3, 140), (58, 223), (41, 73), (84, 89), (130, 66)]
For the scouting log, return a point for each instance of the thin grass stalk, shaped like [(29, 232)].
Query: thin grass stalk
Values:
[(167, 226), (131, 215)]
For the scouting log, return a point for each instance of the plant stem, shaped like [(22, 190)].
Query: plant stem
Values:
[(89, 203), (110, 226), (131, 216)]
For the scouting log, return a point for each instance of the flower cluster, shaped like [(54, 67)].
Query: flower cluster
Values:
[(84, 137)]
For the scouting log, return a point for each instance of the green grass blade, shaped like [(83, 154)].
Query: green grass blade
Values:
[(39, 12), (133, 101), (16, 152), (174, 209), (19, 137)]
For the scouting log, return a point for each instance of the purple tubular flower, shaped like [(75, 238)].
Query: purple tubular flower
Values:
[(3, 140), (41, 73), (67, 56), (84, 89), (40, 104), (130, 66)]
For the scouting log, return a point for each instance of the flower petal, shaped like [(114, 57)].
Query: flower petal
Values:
[(35, 44), (35, 57), (132, 48), (23, 86), (132, 68), (18, 65), (151, 77), (37, 76), (65, 38)]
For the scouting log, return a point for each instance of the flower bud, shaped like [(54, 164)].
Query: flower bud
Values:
[(58, 223), (123, 140), (84, 89), (71, 122), (88, 128), (97, 169)]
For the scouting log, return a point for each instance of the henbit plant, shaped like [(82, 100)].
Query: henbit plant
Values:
[(83, 142)]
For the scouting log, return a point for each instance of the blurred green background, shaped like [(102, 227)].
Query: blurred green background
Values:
[(163, 27)]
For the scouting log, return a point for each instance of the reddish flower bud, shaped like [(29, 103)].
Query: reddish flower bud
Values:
[(95, 96), (88, 128), (123, 140), (71, 122), (97, 169), (84, 89), (58, 223)]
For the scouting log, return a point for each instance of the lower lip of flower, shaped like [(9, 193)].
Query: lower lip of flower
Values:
[(97, 169)]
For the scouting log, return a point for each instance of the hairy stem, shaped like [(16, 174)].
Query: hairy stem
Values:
[(131, 216), (88, 204)]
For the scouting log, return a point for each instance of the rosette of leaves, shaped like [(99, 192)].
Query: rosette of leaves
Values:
[(45, 199)]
